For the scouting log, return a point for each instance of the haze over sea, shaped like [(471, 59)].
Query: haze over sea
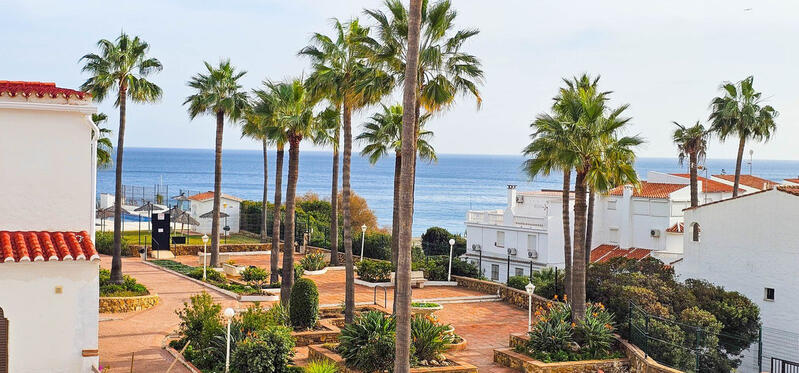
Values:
[(445, 190)]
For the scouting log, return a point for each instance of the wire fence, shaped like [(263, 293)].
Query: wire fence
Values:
[(135, 195)]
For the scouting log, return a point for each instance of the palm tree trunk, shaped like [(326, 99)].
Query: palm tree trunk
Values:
[(589, 227), (349, 293), (266, 193), (403, 285), (288, 236), (741, 144), (220, 126), (578, 268), (334, 205), (567, 234), (694, 184), (275, 256), (116, 261), (395, 219)]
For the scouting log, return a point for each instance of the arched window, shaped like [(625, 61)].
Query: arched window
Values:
[(3, 343), (695, 231)]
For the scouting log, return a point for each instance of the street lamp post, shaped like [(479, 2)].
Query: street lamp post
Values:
[(449, 272), (363, 238), (229, 313), (205, 253), (530, 289)]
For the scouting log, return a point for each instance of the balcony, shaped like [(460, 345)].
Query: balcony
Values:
[(495, 217)]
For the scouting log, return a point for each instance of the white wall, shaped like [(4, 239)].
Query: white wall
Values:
[(48, 331), (747, 245), (230, 207), (47, 162)]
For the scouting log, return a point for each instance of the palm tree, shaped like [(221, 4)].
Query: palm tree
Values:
[(255, 126), (382, 134), (342, 75), (122, 65), (219, 93), (329, 133), (740, 112), (104, 144), (692, 143), (402, 358), (293, 115)]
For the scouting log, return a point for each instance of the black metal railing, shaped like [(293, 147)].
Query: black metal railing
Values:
[(783, 366)]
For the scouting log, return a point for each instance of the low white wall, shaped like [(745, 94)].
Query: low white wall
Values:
[(49, 331)]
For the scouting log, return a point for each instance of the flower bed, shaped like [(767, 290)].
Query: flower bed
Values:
[(425, 308), (128, 288), (325, 332), (214, 280), (374, 271), (314, 264), (324, 353)]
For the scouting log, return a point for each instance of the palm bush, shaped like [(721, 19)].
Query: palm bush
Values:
[(595, 331), (428, 338), (368, 343), (313, 262), (269, 350), (374, 270), (304, 304), (553, 332), (321, 366)]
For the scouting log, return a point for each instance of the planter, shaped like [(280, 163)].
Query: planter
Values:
[(358, 281), (127, 304), (329, 334), (507, 357), (315, 273), (460, 346), (320, 353), (427, 310), (232, 270)]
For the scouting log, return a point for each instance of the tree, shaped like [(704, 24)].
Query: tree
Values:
[(740, 112), (218, 93), (342, 75), (255, 126), (294, 117), (382, 134), (692, 143), (104, 144), (361, 213), (123, 66), (330, 134)]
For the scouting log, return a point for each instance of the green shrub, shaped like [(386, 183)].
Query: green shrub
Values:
[(374, 270), (321, 366), (200, 321), (518, 282), (545, 284), (268, 350), (104, 243), (313, 262), (436, 268), (428, 338), (368, 343), (255, 276), (377, 245), (128, 288), (174, 266), (594, 333), (211, 275), (298, 271), (435, 241), (255, 318), (553, 332), (304, 304), (278, 315)]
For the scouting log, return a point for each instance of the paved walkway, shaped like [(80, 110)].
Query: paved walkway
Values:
[(485, 325)]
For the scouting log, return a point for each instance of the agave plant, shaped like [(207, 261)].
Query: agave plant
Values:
[(313, 262), (429, 339), (368, 343)]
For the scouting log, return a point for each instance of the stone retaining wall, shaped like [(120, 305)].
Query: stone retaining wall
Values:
[(512, 359), (341, 256), (195, 249), (320, 353), (127, 304), (510, 295)]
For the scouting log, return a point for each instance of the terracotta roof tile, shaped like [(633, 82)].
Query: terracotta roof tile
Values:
[(46, 246), (604, 253), (795, 181), (676, 228), (37, 89), (650, 190), (208, 195), (750, 181), (710, 186), (790, 189)]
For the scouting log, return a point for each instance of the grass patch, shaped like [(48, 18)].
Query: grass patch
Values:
[(128, 288), (212, 276), (425, 305)]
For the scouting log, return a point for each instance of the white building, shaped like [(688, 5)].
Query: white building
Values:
[(203, 203), (749, 183), (750, 244), (529, 232), (48, 264)]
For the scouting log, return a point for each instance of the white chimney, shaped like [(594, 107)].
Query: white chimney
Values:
[(511, 196)]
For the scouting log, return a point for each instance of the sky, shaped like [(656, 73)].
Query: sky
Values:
[(665, 59)]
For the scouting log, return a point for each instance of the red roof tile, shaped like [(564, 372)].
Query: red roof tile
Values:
[(46, 246), (750, 181), (790, 189), (37, 89), (710, 186), (676, 228), (795, 181), (208, 195), (650, 190), (603, 253)]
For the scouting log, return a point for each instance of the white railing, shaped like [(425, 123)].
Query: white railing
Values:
[(486, 217)]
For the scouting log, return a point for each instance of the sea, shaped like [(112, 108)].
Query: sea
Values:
[(445, 190)]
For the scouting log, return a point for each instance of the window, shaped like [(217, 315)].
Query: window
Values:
[(495, 272), (500, 239), (613, 235), (531, 242), (695, 232), (519, 271), (769, 294), (612, 204)]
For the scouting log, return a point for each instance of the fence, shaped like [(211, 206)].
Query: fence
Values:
[(691, 348), (783, 366), (251, 220), (134, 195)]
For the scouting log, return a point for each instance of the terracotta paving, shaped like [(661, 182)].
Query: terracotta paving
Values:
[(485, 325)]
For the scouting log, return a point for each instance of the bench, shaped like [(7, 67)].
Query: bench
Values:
[(417, 278)]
